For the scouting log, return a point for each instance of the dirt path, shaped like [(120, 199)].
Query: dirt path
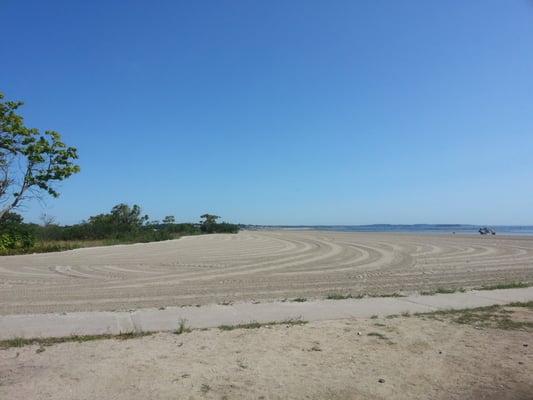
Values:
[(256, 266)]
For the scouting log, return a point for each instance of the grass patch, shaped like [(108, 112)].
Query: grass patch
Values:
[(442, 290), (528, 304), (510, 285), (339, 296), (53, 246), (396, 294), (21, 342), (257, 325), (496, 316), (49, 246)]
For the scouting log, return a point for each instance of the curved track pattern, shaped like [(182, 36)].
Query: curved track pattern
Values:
[(256, 266)]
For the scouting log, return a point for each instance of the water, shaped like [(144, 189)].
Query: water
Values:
[(421, 228)]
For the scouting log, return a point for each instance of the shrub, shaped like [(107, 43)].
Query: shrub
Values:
[(14, 235)]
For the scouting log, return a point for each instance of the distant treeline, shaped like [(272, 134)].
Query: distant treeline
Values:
[(123, 224)]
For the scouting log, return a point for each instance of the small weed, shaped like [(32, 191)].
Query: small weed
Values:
[(122, 336), (182, 327), (299, 300), (441, 290), (315, 348), (378, 335), (249, 325), (205, 388), (396, 294), (374, 317), (338, 296)]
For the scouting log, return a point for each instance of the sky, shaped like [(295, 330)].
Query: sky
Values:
[(282, 112)]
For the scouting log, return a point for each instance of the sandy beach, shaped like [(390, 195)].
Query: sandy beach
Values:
[(256, 266)]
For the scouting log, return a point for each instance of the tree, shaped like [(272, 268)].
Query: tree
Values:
[(169, 219), (208, 223), (122, 220), (123, 214), (31, 162)]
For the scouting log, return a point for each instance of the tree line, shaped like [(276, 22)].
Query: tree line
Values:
[(123, 224), (33, 162)]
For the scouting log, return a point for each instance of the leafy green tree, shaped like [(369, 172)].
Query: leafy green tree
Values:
[(123, 214), (122, 220), (208, 223), (169, 219), (31, 162)]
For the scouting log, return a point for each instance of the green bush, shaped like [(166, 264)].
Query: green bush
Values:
[(16, 239), (14, 234)]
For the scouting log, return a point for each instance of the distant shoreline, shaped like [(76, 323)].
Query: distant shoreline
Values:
[(522, 230)]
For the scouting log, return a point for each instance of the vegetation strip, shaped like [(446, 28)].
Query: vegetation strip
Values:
[(257, 325), (495, 316), (439, 290), (511, 285), (124, 224), (21, 342)]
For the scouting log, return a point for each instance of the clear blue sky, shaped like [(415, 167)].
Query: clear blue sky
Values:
[(282, 112)]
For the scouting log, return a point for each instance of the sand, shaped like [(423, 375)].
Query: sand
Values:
[(256, 265), (417, 359)]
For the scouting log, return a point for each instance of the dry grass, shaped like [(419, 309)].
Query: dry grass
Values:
[(510, 285), (257, 325), (497, 316), (21, 342)]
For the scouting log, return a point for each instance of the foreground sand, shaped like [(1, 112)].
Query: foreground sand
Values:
[(416, 358), (256, 266)]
